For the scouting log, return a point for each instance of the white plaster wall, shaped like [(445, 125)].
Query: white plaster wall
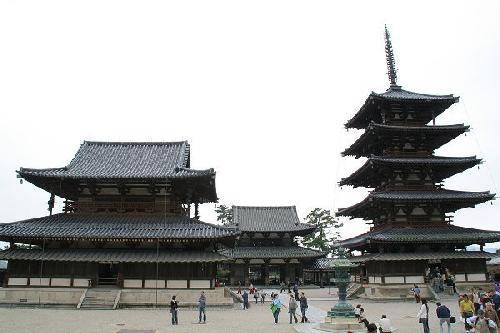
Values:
[(40, 282), (60, 282), (476, 277), (128, 283), (460, 278), (81, 282), (154, 284), (394, 279), (18, 281), (202, 284), (415, 279), (177, 284)]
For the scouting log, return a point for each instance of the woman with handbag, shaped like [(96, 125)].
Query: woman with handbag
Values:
[(423, 315)]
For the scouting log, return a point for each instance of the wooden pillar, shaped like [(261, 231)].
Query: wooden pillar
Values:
[(266, 271), (245, 273), (288, 271)]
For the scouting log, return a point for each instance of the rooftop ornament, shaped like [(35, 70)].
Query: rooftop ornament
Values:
[(391, 63)]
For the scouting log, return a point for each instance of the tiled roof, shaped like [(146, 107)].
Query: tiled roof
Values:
[(268, 219), (112, 255), (368, 175), (395, 93), (321, 264), (444, 234), (105, 160), (113, 226), (271, 252), (370, 111), (423, 256), (446, 197), (372, 142)]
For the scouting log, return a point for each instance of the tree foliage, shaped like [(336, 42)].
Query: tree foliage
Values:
[(326, 235), (224, 214)]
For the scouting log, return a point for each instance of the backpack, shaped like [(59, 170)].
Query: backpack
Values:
[(444, 312)]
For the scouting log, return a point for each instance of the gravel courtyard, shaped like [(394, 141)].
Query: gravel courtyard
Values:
[(257, 319)]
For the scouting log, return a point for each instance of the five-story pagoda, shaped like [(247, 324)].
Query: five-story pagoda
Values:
[(409, 209)]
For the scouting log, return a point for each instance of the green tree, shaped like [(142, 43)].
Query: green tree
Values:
[(326, 235), (224, 214)]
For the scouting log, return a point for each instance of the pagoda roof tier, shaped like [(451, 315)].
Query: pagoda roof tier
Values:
[(428, 106), (129, 162), (113, 255), (369, 175), (269, 219), (409, 256), (113, 227), (377, 137), (271, 252), (448, 200), (429, 235)]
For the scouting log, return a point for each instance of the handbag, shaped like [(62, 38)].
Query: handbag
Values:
[(452, 320)]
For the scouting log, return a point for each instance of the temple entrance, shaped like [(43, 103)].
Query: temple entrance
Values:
[(256, 274), (108, 274)]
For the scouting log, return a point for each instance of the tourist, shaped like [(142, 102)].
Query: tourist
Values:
[(263, 295), (357, 310), (292, 307), (371, 328), (423, 315), (491, 314), (444, 315), (476, 299), (256, 296), (251, 288), (202, 304), (296, 291), (245, 300), (239, 287), (466, 310), (174, 305), (282, 287), (303, 307), (496, 300), (362, 318), (481, 324), (385, 324), (416, 293), (276, 306)]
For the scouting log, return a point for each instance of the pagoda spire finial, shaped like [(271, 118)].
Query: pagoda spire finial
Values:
[(389, 57)]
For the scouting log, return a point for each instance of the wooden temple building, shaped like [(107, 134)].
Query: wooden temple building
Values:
[(266, 252), (126, 221), (408, 209)]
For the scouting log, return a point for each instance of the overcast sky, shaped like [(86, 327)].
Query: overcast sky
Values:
[(260, 89)]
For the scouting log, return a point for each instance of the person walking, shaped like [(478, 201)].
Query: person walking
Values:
[(282, 287), (444, 315), (263, 295), (245, 300), (292, 307), (256, 296), (303, 307), (202, 304), (423, 315), (174, 310), (466, 310), (416, 293), (276, 306), (296, 291)]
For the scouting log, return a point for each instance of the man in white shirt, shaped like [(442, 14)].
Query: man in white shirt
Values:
[(385, 324)]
